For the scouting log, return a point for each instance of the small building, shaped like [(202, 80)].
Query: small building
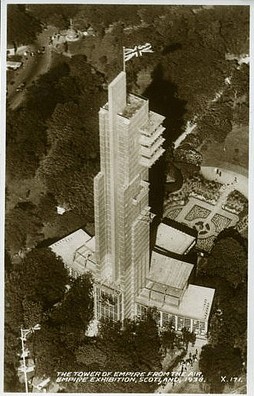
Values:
[(178, 302), (10, 65), (11, 50), (175, 237), (77, 252)]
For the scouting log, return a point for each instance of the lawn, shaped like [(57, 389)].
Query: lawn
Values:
[(233, 153)]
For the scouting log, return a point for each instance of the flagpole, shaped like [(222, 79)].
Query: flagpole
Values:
[(123, 59)]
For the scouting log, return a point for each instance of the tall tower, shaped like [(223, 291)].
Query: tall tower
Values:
[(130, 142)]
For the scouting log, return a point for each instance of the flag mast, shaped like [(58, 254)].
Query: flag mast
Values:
[(123, 59), (137, 51)]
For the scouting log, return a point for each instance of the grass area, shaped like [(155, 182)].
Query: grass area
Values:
[(63, 225), (23, 190), (234, 151)]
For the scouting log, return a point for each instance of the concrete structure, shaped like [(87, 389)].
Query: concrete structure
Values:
[(130, 143), (72, 34), (127, 279)]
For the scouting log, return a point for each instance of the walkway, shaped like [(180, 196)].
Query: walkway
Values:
[(188, 375), (238, 181)]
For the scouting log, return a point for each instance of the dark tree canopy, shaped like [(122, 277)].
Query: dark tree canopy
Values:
[(57, 15), (41, 277), (147, 342), (51, 353), (75, 312), (23, 227), (22, 27), (221, 360), (228, 260), (72, 158)]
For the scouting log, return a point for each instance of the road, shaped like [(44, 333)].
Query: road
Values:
[(33, 66)]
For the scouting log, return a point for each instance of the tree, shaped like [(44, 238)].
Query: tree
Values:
[(110, 333), (44, 94), (228, 260), (50, 353), (21, 27), (73, 315), (168, 336), (188, 337), (72, 157), (32, 313), (7, 263), (216, 123), (23, 227), (188, 155), (235, 35), (40, 277), (97, 15), (21, 162), (57, 15), (90, 354), (26, 141), (46, 208), (240, 81), (12, 347), (235, 314), (147, 342), (219, 361)]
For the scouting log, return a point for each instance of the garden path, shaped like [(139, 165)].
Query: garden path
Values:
[(183, 383), (238, 181), (210, 219)]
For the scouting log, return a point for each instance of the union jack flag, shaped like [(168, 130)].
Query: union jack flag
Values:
[(138, 50)]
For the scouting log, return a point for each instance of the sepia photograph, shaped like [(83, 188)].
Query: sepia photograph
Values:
[(125, 130)]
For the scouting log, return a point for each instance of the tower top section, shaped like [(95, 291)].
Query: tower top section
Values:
[(117, 94), (144, 136)]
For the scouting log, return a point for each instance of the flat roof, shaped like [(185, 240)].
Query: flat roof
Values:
[(133, 104), (172, 239), (169, 271), (154, 121), (67, 246), (196, 303)]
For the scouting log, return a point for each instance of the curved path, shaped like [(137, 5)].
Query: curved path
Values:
[(233, 180)]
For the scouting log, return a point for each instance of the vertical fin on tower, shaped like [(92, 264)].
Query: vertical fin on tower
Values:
[(117, 94)]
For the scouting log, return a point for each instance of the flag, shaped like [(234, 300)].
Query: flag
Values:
[(138, 50)]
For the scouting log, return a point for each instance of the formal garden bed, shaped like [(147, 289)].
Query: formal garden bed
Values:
[(197, 212), (220, 222), (197, 186), (242, 225), (236, 202), (205, 244), (172, 214)]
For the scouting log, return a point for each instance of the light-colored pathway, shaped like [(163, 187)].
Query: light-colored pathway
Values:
[(227, 177), (188, 375)]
